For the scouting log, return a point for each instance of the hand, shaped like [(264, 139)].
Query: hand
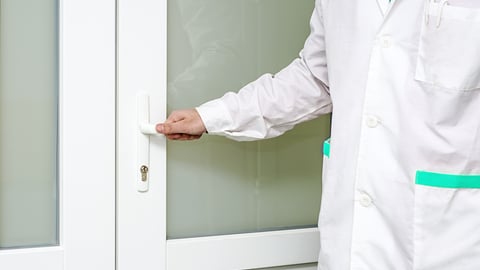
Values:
[(182, 125)]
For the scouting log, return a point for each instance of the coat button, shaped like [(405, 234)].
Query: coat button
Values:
[(365, 200), (385, 41), (372, 121)]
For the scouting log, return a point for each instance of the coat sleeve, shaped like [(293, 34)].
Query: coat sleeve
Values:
[(274, 104)]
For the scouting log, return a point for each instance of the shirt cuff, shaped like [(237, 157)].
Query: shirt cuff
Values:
[(215, 117)]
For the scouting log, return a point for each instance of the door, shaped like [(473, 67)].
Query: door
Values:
[(57, 140), (213, 203)]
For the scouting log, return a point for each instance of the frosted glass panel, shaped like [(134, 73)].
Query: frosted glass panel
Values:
[(217, 186), (28, 123)]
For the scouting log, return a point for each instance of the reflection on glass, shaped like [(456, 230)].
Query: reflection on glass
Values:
[(217, 186), (28, 123)]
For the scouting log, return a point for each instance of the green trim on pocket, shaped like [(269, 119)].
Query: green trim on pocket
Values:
[(447, 180), (326, 147)]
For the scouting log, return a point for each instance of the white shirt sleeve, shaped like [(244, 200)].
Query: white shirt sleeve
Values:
[(273, 104)]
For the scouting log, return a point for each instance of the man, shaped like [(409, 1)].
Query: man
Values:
[(401, 189)]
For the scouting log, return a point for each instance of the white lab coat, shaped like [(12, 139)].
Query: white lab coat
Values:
[(401, 184)]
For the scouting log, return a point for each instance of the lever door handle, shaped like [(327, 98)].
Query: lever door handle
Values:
[(145, 130), (148, 129)]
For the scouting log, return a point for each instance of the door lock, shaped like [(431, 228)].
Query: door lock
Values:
[(144, 172)]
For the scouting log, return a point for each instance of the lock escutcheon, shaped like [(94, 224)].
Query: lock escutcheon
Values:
[(144, 172)]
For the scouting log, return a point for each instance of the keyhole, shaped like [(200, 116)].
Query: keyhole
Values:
[(144, 172)]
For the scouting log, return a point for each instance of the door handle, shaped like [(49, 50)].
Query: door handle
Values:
[(148, 129), (145, 130)]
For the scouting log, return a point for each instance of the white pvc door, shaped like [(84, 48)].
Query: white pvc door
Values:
[(57, 140), (213, 203)]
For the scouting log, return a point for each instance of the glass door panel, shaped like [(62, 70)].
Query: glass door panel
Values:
[(217, 186), (28, 123)]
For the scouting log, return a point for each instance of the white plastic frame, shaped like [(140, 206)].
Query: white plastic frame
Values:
[(86, 146), (244, 251), (142, 242)]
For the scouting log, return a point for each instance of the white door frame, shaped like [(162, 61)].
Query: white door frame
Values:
[(142, 242), (141, 68), (86, 144)]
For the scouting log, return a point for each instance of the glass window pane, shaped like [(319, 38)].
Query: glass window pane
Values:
[(28, 123), (217, 186)]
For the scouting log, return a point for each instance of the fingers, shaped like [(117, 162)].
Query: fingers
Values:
[(182, 125), (174, 128), (183, 137)]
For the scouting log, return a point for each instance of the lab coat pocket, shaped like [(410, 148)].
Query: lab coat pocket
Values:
[(447, 221), (449, 48)]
